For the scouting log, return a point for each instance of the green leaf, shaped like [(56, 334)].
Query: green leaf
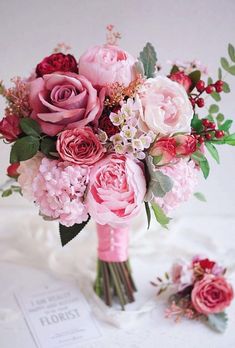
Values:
[(160, 215), (30, 127), (200, 196), (196, 123), (148, 213), (139, 68), (174, 69), (149, 58), (210, 118), (213, 151), (202, 161), (226, 88), (68, 233), (198, 156), (220, 118), (214, 108), (216, 96), (231, 70), (48, 146), (231, 52), (24, 148), (209, 81), (226, 125), (157, 159), (7, 193), (194, 77), (230, 139), (160, 183), (218, 321), (224, 63), (219, 73)]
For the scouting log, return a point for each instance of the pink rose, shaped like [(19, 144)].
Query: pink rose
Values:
[(211, 295), (107, 64), (182, 79), (186, 144), (80, 146), (61, 101), (10, 127), (116, 190), (165, 149)]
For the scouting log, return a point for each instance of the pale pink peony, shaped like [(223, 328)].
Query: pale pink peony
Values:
[(116, 190), (104, 65), (166, 107), (64, 100), (80, 146), (27, 171), (211, 295), (59, 191), (184, 175)]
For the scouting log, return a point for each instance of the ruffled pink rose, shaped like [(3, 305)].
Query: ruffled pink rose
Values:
[(116, 190), (107, 64), (61, 101), (211, 295), (166, 107), (80, 146)]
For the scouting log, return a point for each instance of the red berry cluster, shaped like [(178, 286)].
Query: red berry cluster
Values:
[(201, 88), (209, 131)]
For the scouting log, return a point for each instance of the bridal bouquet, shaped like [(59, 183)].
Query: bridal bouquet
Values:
[(99, 136), (200, 291)]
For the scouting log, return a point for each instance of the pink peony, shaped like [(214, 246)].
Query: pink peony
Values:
[(61, 101), (28, 170), (184, 175), (59, 191), (80, 146), (211, 295), (116, 190), (166, 107), (104, 65)]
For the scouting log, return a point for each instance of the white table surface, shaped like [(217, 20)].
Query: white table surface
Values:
[(31, 255)]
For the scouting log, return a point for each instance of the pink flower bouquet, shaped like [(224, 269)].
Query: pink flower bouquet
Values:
[(200, 291), (98, 137)]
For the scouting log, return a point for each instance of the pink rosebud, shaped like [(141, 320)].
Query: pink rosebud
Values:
[(165, 149), (57, 62), (12, 170), (116, 190), (185, 144), (10, 127), (80, 146), (182, 79), (105, 65), (211, 295)]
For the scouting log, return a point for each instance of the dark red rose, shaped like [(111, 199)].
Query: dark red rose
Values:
[(106, 125), (12, 170), (57, 62), (10, 127), (182, 79), (206, 264)]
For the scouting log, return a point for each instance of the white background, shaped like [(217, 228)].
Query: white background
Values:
[(178, 29)]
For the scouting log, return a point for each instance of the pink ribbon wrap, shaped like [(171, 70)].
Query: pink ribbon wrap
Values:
[(112, 243)]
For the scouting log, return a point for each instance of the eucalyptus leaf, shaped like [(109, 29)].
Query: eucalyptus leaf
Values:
[(160, 215), (68, 233), (224, 63), (30, 127), (231, 70), (213, 151), (220, 118), (7, 193), (24, 148), (214, 108), (139, 67), (218, 321), (149, 59), (200, 196), (219, 73), (231, 52), (226, 88), (216, 96)]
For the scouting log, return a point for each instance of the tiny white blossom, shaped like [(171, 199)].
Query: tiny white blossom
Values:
[(116, 119), (116, 138)]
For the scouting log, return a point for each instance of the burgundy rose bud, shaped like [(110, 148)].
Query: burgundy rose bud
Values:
[(57, 62), (164, 149), (10, 127), (182, 79), (12, 170), (107, 126), (186, 144)]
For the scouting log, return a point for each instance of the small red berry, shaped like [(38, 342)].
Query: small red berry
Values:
[(201, 140), (200, 85), (206, 123), (209, 89), (218, 88), (219, 83), (219, 134), (212, 125), (208, 136), (200, 102)]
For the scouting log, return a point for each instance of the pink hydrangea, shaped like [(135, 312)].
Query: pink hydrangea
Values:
[(59, 189), (184, 175)]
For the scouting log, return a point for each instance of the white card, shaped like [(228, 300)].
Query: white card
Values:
[(58, 316)]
